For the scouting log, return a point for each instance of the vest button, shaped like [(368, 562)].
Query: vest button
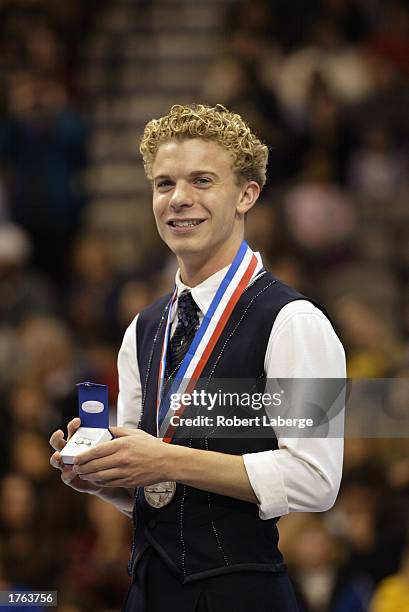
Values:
[(152, 523)]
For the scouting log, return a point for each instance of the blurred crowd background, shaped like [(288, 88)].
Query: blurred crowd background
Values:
[(325, 84)]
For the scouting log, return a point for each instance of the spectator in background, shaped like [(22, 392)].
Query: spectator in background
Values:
[(324, 130), (264, 21), (30, 407), (393, 593), (43, 144), (392, 37), (45, 57), (23, 292), (28, 456), (377, 170), (51, 356), (343, 66), (352, 18), (373, 345), (95, 555), (372, 522), (314, 557), (252, 30), (386, 105), (93, 284), (28, 557), (320, 215)]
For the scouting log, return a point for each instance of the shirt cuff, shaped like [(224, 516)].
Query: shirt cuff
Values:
[(267, 483)]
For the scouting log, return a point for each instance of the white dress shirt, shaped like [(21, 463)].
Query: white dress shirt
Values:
[(303, 474)]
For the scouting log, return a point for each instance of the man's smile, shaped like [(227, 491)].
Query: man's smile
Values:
[(183, 226)]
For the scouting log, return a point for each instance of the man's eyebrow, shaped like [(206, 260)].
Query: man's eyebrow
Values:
[(200, 172), (191, 175), (161, 176)]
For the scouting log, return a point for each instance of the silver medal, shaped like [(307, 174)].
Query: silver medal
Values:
[(160, 494)]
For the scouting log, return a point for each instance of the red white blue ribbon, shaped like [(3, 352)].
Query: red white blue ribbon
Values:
[(235, 281)]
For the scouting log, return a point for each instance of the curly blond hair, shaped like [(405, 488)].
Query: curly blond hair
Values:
[(215, 123)]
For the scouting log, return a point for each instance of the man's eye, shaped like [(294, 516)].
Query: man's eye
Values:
[(202, 180), (163, 184)]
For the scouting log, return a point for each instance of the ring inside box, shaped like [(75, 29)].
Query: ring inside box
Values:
[(84, 439)]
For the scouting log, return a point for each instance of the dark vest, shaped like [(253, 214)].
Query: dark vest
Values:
[(201, 534)]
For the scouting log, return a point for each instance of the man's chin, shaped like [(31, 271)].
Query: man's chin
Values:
[(185, 245), (187, 251)]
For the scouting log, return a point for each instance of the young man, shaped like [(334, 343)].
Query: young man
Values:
[(205, 508)]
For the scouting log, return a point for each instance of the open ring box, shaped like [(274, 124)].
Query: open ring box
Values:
[(94, 414)]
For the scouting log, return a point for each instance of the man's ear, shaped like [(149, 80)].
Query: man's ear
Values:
[(249, 196)]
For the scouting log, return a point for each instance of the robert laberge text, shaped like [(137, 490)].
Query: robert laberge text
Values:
[(235, 421)]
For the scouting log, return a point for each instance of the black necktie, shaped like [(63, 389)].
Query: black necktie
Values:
[(188, 322)]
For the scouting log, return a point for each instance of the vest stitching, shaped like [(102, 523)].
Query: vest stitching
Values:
[(182, 540), (148, 370), (216, 534)]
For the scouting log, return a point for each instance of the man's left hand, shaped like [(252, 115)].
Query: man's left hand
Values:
[(133, 458)]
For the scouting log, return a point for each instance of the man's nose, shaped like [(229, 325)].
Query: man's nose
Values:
[(181, 197)]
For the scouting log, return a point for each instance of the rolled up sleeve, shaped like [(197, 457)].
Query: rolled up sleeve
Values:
[(303, 474)]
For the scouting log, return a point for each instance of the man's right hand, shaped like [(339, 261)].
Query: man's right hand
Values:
[(68, 476)]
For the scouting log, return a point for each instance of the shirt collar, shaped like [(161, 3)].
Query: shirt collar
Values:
[(204, 293)]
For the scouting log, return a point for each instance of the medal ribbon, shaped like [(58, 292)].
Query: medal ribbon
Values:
[(235, 281)]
